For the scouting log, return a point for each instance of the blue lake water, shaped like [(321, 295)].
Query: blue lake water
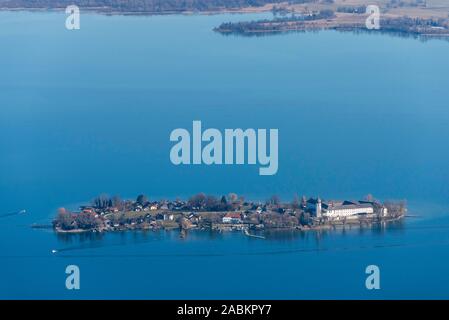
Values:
[(90, 111)]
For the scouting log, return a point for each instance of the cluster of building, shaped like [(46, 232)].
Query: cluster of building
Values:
[(177, 205), (316, 209), (241, 214)]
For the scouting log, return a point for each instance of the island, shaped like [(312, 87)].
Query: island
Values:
[(418, 18), (228, 213)]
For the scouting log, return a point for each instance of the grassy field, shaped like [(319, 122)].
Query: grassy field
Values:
[(437, 3), (433, 8)]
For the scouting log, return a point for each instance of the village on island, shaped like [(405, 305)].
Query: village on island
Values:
[(228, 213)]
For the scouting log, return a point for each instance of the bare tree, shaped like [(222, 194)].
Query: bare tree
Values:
[(295, 203), (274, 200), (102, 201), (142, 199)]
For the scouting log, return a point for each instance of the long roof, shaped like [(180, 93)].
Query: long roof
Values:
[(340, 205)]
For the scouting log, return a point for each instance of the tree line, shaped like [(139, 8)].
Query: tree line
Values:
[(141, 6)]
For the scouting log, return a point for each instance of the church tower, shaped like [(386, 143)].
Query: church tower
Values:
[(318, 208)]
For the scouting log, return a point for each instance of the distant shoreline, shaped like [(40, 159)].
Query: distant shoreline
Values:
[(424, 23)]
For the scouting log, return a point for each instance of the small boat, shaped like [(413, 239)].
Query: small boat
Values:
[(54, 251)]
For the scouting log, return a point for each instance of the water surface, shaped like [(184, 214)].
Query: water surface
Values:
[(90, 111)]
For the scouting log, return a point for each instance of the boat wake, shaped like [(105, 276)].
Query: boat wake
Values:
[(210, 254), (12, 214), (71, 252)]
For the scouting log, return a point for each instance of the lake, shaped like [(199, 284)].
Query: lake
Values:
[(90, 111)]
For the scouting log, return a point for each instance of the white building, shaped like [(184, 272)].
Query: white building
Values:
[(341, 209), (346, 210), (235, 218)]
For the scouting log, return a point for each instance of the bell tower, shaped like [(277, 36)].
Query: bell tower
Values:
[(318, 208)]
